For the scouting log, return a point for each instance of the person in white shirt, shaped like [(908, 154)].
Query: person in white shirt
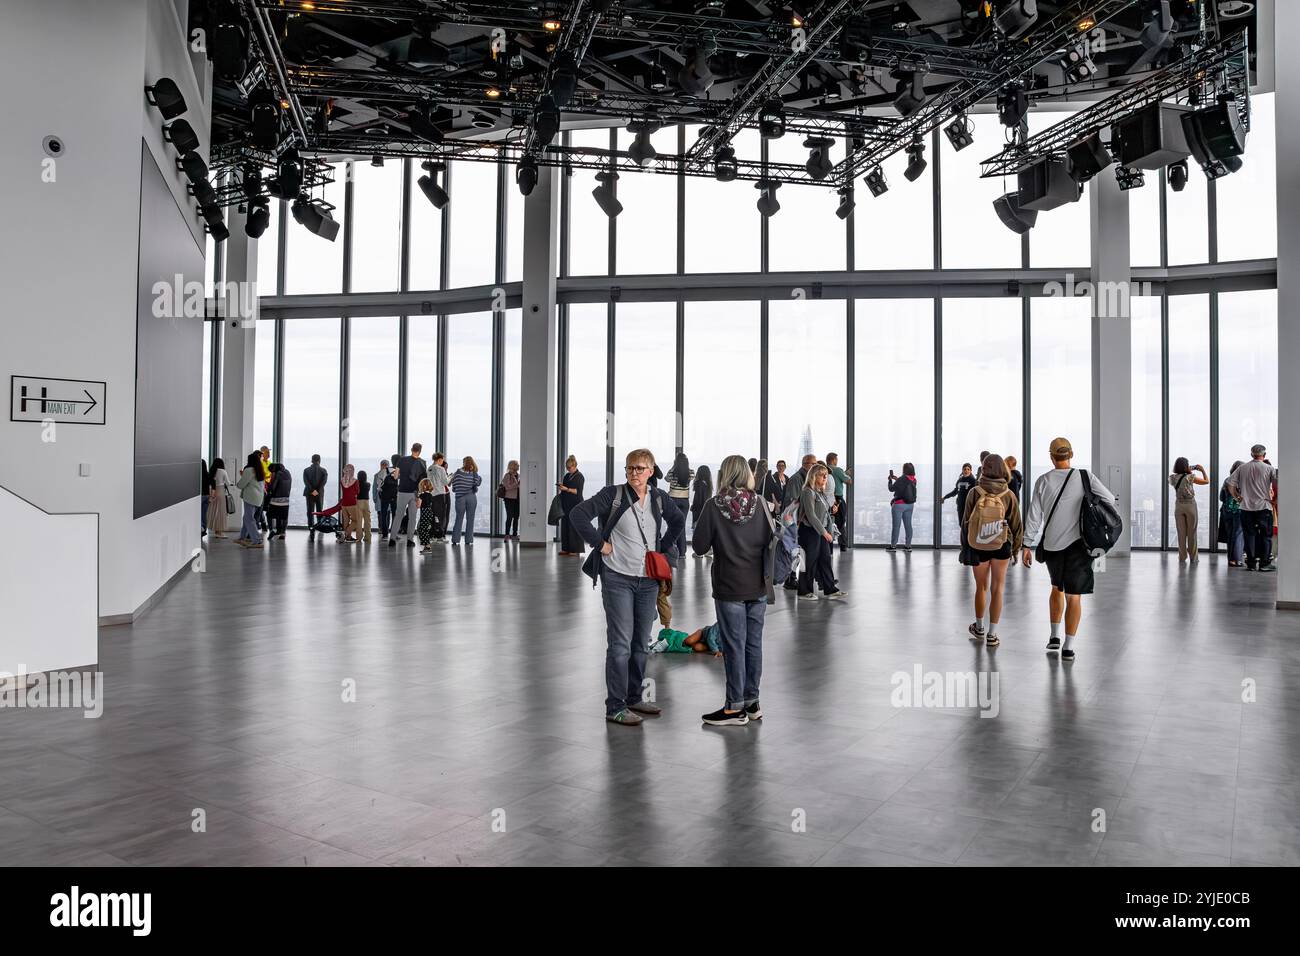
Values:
[(1253, 485), (1052, 525)]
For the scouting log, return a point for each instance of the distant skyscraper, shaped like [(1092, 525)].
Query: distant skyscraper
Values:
[(805, 443)]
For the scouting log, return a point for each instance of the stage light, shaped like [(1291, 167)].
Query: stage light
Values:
[(725, 167), (1216, 137), (316, 219), (420, 120), (1013, 104), (695, 76), (915, 160), (876, 182), (166, 96), (1018, 220), (181, 135), (1077, 66), (264, 115), (201, 190), (819, 164), (846, 202), (552, 26), (1015, 17), (606, 194), (960, 132), (909, 93), (193, 166), (526, 175), (1177, 173), (259, 217), (1087, 157), (546, 121), (228, 49), (642, 151), (767, 202), (771, 119), (428, 184), (1129, 177), (251, 180), (564, 78), (377, 160)]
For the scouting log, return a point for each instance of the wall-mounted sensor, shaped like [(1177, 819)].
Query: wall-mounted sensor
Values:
[(53, 146)]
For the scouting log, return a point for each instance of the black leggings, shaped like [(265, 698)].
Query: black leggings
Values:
[(512, 515), (817, 562)]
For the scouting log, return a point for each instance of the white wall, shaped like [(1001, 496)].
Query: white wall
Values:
[(50, 607), (69, 262)]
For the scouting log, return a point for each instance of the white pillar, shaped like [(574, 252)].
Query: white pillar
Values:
[(1112, 345), (239, 347), (1287, 66), (539, 348)]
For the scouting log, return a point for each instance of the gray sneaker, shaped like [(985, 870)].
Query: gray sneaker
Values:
[(624, 717), (647, 708), (810, 596)]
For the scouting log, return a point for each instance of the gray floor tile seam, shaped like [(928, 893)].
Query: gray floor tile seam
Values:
[(975, 836)]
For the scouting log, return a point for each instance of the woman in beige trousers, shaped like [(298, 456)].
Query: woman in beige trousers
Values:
[(1186, 516)]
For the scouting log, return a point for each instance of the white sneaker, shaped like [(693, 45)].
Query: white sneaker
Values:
[(838, 594), (810, 596)]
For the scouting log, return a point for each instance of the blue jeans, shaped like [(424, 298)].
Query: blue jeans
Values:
[(249, 530), (741, 624), (630, 612), (1236, 536), (386, 509), (465, 507), (900, 514)]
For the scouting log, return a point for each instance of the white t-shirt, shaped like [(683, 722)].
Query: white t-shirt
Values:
[(1064, 529)]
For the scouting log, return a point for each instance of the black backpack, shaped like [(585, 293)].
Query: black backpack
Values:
[(1099, 522)]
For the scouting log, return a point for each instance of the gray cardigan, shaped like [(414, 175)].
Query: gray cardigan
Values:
[(812, 508)]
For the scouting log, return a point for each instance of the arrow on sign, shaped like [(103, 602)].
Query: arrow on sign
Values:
[(93, 402)]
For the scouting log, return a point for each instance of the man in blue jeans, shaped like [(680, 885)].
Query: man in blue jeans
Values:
[(618, 560)]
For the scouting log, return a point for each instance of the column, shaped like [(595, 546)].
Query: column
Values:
[(1287, 456), (1112, 346), (239, 310), (539, 355)]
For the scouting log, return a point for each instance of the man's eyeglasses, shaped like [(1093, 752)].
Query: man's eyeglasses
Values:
[(636, 469)]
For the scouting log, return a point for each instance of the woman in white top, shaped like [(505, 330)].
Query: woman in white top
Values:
[(218, 494)]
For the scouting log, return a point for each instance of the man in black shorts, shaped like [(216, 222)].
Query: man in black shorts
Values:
[(1052, 524)]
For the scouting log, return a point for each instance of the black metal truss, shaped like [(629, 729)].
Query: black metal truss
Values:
[(576, 31), (1017, 60), (1223, 67), (827, 20)]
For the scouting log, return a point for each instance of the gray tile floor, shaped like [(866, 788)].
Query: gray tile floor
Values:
[(477, 735)]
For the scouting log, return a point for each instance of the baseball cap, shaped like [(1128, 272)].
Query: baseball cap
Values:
[(1060, 449)]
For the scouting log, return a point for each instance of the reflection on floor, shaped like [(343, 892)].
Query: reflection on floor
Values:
[(476, 735)]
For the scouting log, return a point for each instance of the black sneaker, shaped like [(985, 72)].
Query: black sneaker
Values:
[(976, 631), (410, 543), (392, 542), (890, 548), (1053, 643), (1067, 655), (754, 712), (720, 718), (1267, 567), (907, 548)]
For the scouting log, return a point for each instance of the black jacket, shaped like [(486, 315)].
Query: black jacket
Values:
[(599, 507), (960, 490), (739, 530), (904, 489), (1017, 482), (314, 478), (387, 487)]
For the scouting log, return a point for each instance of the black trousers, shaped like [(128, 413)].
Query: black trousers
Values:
[(1257, 526), (841, 521), (312, 505), (441, 510), (817, 562), (512, 515)]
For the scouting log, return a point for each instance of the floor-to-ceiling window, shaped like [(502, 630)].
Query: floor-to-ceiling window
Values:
[(586, 420), (472, 247), (588, 236), (722, 232), (1144, 222), (376, 226), (1188, 218), (1246, 201), (263, 394), (421, 383), (268, 253), (973, 236), (982, 389), (804, 235), (807, 375), (645, 381), (205, 441), (469, 402), (514, 249), (1248, 412), (1148, 472), (1060, 376), (720, 383), (311, 406), (1189, 399), (372, 392), (647, 226), (314, 264), (893, 383), (510, 399), (425, 245)]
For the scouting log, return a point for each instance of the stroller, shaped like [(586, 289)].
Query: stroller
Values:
[(789, 556), (329, 524)]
